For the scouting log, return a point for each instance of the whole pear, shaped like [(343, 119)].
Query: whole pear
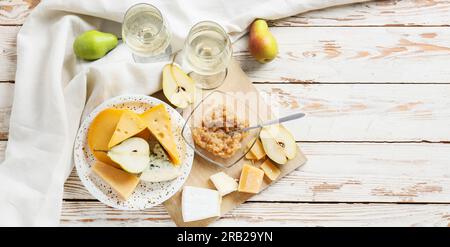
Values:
[(262, 44), (92, 45)]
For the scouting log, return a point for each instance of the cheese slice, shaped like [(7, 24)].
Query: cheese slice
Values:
[(257, 150), (199, 203), (144, 134), (100, 132), (158, 122), (122, 182), (271, 170), (129, 125), (224, 183), (249, 155), (251, 179)]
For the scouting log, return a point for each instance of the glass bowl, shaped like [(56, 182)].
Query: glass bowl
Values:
[(215, 119)]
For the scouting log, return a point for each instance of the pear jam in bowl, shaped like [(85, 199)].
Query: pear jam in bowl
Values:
[(216, 124), (219, 132)]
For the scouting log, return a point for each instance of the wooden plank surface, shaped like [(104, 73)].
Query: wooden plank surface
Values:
[(6, 99), (365, 143), (2, 150), (362, 112), (377, 13), (14, 12), (353, 172), (269, 214), (353, 55), (322, 178), (92, 213), (8, 52), (347, 112), (324, 54)]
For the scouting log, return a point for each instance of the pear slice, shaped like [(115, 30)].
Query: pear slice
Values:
[(278, 143), (178, 87), (133, 155)]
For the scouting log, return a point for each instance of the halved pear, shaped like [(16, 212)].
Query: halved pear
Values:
[(133, 155), (178, 87), (278, 143)]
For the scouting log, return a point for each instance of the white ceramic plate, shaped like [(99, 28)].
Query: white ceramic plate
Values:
[(146, 195)]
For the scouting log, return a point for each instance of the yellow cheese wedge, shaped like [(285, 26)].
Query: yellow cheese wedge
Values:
[(103, 157), (272, 171), (101, 131), (129, 125), (122, 182), (251, 179), (158, 122), (249, 155), (258, 150)]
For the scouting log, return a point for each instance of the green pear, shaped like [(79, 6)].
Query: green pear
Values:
[(92, 45), (262, 44)]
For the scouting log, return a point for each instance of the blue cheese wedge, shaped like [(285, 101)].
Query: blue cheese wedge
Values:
[(224, 183), (160, 168), (199, 203), (159, 171)]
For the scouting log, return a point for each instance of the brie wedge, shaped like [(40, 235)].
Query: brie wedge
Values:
[(199, 203)]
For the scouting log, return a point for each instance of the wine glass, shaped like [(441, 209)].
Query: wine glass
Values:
[(146, 33), (207, 53)]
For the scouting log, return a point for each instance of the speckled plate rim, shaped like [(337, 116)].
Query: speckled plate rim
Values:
[(83, 159)]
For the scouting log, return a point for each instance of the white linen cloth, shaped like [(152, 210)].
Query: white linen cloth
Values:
[(54, 89)]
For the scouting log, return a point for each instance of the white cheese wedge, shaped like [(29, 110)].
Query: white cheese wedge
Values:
[(224, 183), (199, 203)]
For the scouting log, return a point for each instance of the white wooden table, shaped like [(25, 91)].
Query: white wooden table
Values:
[(374, 79)]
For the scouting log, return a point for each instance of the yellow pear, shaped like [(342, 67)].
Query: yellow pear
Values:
[(262, 44)]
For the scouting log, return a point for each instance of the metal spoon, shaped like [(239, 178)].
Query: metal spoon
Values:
[(273, 121)]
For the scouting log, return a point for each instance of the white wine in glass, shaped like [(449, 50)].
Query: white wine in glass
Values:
[(146, 33), (208, 53)]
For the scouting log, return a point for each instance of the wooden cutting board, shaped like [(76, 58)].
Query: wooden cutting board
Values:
[(236, 81)]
